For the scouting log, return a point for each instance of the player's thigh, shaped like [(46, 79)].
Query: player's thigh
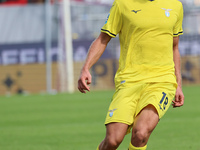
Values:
[(146, 120), (123, 105), (116, 131), (144, 124), (160, 95)]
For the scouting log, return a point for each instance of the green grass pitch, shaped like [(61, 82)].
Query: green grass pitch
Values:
[(75, 122)]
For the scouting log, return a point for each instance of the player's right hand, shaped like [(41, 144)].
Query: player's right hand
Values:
[(84, 80)]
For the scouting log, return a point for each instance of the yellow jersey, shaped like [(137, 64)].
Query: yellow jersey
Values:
[(146, 29)]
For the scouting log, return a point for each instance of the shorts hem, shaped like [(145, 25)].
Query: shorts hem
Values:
[(157, 109), (118, 121)]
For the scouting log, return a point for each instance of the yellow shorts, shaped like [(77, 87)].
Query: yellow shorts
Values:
[(128, 102)]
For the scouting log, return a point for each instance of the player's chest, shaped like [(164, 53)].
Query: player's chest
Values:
[(154, 16)]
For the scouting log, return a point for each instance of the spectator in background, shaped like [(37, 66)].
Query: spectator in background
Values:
[(13, 2), (36, 1), (10, 2)]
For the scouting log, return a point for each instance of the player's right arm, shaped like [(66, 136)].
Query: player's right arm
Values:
[(95, 51)]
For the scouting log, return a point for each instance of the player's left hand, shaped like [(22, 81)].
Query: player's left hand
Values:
[(179, 98)]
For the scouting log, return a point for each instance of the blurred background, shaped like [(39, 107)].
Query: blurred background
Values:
[(43, 44)]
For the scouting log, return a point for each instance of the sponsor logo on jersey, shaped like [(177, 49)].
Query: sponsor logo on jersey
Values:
[(136, 11)]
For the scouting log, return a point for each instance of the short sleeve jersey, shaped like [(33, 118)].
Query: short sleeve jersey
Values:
[(146, 29)]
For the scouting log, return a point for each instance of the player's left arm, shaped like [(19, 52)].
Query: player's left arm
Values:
[(179, 97)]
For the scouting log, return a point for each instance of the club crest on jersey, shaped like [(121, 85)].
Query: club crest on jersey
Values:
[(111, 112), (167, 11)]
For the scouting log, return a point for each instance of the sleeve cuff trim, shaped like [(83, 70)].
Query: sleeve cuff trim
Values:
[(179, 33)]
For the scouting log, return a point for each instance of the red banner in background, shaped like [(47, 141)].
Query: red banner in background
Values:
[(14, 2)]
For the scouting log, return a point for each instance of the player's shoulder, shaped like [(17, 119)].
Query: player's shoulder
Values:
[(178, 4), (175, 2), (118, 3)]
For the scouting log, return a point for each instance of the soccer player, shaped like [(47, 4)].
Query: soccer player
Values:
[(148, 77)]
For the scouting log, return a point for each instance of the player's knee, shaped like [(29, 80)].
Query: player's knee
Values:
[(113, 142), (140, 136)]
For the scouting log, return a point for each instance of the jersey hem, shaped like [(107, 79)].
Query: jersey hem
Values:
[(123, 86)]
